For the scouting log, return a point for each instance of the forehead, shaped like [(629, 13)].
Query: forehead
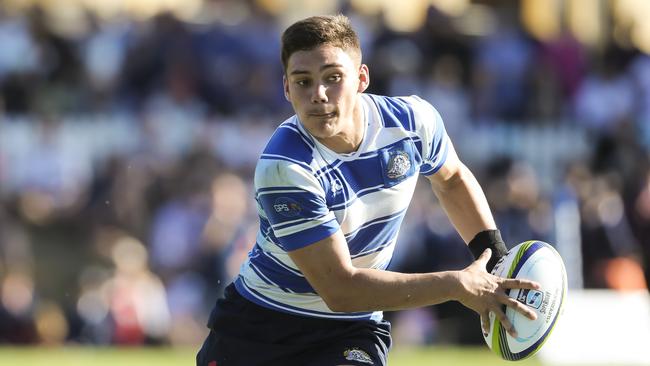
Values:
[(319, 57)]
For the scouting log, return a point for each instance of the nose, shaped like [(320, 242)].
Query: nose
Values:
[(319, 94)]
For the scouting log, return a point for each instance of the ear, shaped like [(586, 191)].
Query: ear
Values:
[(285, 85), (364, 78)]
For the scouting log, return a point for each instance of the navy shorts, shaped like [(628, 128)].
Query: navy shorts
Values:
[(245, 334)]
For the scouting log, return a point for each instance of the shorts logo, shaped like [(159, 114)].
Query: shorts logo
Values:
[(398, 165), (531, 298), (287, 207), (355, 354)]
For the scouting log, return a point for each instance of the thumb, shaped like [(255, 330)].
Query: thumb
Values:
[(484, 258)]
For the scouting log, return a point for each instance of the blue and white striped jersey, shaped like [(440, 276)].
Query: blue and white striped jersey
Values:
[(305, 192)]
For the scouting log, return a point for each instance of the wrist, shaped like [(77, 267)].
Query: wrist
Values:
[(488, 239), (457, 288)]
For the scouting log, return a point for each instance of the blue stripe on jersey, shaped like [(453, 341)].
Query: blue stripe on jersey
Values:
[(394, 112), (294, 223), (347, 203), (438, 140), (365, 176), (309, 236), (256, 297), (279, 188), (299, 239), (289, 142), (427, 169), (279, 275), (284, 206), (336, 192), (366, 164), (336, 163), (374, 233), (278, 157), (283, 265), (329, 167), (308, 140), (418, 147), (378, 248), (351, 235), (411, 120), (264, 278), (267, 232), (359, 175)]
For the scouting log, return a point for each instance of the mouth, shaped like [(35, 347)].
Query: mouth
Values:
[(323, 115)]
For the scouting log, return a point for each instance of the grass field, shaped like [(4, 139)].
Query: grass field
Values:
[(43, 356)]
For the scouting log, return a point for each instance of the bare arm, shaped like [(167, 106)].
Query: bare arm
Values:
[(329, 269), (461, 197), (465, 204), (327, 266)]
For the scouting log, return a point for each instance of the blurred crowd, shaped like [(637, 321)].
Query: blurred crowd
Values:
[(126, 159)]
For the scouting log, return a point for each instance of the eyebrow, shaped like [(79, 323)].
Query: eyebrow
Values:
[(326, 66)]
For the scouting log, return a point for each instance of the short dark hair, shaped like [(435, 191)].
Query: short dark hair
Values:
[(309, 33)]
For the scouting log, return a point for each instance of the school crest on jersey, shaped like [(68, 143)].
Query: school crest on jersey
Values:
[(398, 165), (355, 354), (397, 162)]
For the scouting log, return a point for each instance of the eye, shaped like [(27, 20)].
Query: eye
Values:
[(302, 82), (335, 78)]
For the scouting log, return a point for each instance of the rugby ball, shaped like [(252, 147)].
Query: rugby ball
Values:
[(539, 262)]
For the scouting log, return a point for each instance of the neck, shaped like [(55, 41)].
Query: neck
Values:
[(350, 138)]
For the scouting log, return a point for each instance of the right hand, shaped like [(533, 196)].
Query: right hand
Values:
[(485, 293)]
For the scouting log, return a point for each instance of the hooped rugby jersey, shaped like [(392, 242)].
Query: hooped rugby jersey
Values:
[(305, 192)]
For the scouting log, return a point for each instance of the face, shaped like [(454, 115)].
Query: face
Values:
[(323, 85)]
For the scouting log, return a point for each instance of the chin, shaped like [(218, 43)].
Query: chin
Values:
[(322, 129), (323, 134)]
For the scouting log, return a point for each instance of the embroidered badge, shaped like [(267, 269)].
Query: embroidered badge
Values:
[(287, 207), (398, 162), (398, 165), (355, 354)]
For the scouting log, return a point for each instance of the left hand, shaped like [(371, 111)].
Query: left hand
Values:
[(485, 293)]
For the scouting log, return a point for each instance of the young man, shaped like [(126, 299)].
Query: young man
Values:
[(332, 187)]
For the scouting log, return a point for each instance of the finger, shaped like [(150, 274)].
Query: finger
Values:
[(485, 323), (517, 306), (505, 322), (520, 283)]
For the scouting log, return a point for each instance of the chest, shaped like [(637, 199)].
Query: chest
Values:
[(374, 185)]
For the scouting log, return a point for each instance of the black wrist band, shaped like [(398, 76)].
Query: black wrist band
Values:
[(488, 239)]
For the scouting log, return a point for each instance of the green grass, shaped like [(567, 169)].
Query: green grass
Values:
[(91, 356), (457, 356), (94, 356)]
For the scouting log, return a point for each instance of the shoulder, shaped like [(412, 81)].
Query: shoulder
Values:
[(282, 172), (403, 111), (289, 142), (270, 170)]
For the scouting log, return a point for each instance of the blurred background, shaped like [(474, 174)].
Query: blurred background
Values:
[(129, 131)]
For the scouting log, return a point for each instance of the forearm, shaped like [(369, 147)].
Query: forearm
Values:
[(463, 200), (372, 289)]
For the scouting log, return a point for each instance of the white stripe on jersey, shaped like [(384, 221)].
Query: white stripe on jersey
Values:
[(375, 205)]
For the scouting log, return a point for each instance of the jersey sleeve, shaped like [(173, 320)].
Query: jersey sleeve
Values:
[(430, 128), (293, 202)]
